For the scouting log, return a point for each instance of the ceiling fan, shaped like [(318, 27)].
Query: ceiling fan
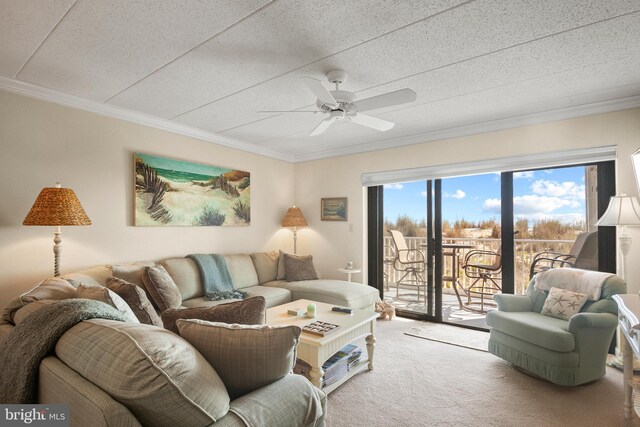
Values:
[(341, 105)]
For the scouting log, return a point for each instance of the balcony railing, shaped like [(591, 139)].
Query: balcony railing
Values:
[(524, 251)]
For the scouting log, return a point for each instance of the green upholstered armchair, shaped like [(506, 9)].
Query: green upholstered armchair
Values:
[(564, 352)]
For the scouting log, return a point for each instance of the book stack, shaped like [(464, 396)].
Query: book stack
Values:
[(340, 364), (336, 367)]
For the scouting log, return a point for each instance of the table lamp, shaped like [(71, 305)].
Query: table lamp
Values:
[(623, 210), (57, 206), (294, 218)]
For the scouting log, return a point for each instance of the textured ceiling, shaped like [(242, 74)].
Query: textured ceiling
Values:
[(212, 65)]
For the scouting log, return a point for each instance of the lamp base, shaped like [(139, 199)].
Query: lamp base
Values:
[(57, 249)]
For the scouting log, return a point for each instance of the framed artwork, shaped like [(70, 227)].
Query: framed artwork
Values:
[(170, 192), (635, 159), (333, 209)]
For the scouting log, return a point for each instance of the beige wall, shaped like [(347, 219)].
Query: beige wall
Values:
[(41, 143), (333, 244)]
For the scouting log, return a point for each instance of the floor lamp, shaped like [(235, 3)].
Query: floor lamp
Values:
[(294, 218), (622, 211), (57, 206)]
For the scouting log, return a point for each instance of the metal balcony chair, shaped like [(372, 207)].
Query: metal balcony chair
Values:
[(410, 264), (485, 278), (388, 260), (583, 254)]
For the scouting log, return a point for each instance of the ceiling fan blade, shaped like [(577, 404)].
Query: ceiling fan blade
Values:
[(288, 111), (386, 100), (320, 91), (372, 122), (322, 126)]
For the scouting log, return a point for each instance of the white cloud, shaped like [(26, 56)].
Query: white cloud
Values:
[(530, 204), (523, 175), (423, 193), (570, 218), (459, 194), (568, 190), (393, 186), (492, 205)]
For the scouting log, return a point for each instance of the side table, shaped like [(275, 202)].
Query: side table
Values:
[(349, 272), (628, 314)]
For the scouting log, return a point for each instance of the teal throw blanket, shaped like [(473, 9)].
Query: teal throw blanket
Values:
[(216, 277)]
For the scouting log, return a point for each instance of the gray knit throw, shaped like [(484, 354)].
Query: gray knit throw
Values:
[(36, 337)]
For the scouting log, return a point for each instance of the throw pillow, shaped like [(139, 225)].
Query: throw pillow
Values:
[(563, 304), (53, 288), (100, 293), (245, 357), (250, 311), (266, 265), (299, 268), (156, 374), (133, 273), (282, 275), (163, 290), (137, 300)]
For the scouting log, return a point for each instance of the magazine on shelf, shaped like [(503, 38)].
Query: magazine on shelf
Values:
[(336, 367)]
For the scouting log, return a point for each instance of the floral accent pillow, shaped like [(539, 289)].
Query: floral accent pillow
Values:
[(563, 304)]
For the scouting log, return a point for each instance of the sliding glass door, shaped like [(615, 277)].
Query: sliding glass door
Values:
[(448, 245)]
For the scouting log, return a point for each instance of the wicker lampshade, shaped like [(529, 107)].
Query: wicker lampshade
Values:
[(294, 218), (57, 206)]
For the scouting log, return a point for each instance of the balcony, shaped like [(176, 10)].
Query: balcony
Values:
[(524, 251)]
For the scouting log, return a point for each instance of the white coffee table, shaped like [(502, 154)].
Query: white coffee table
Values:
[(315, 350)]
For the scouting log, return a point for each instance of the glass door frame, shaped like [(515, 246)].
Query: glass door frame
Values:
[(375, 216)]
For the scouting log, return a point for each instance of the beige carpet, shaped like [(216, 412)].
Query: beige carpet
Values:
[(419, 382), (461, 337)]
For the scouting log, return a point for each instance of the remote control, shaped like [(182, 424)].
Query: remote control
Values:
[(342, 310)]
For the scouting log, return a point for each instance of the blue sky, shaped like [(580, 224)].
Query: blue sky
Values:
[(544, 194)]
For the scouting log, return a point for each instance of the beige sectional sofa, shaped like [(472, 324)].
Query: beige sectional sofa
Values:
[(84, 368), (256, 274)]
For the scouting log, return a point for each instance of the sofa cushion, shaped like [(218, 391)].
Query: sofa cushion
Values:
[(243, 273), (266, 265), (562, 303), (160, 286), (337, 292), (299, 267), (157, 375), (543, 331), (245, 357), (137, 299), (53, 288), (94, 276), (273, 296), (186, 276), (251, 311), (107, 296)]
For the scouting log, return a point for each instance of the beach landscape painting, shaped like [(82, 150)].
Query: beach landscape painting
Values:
[(170, 192), (333, 209)]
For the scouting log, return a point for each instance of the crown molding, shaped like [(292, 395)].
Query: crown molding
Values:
[(526, 119), (516, 120), (50, 95)]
